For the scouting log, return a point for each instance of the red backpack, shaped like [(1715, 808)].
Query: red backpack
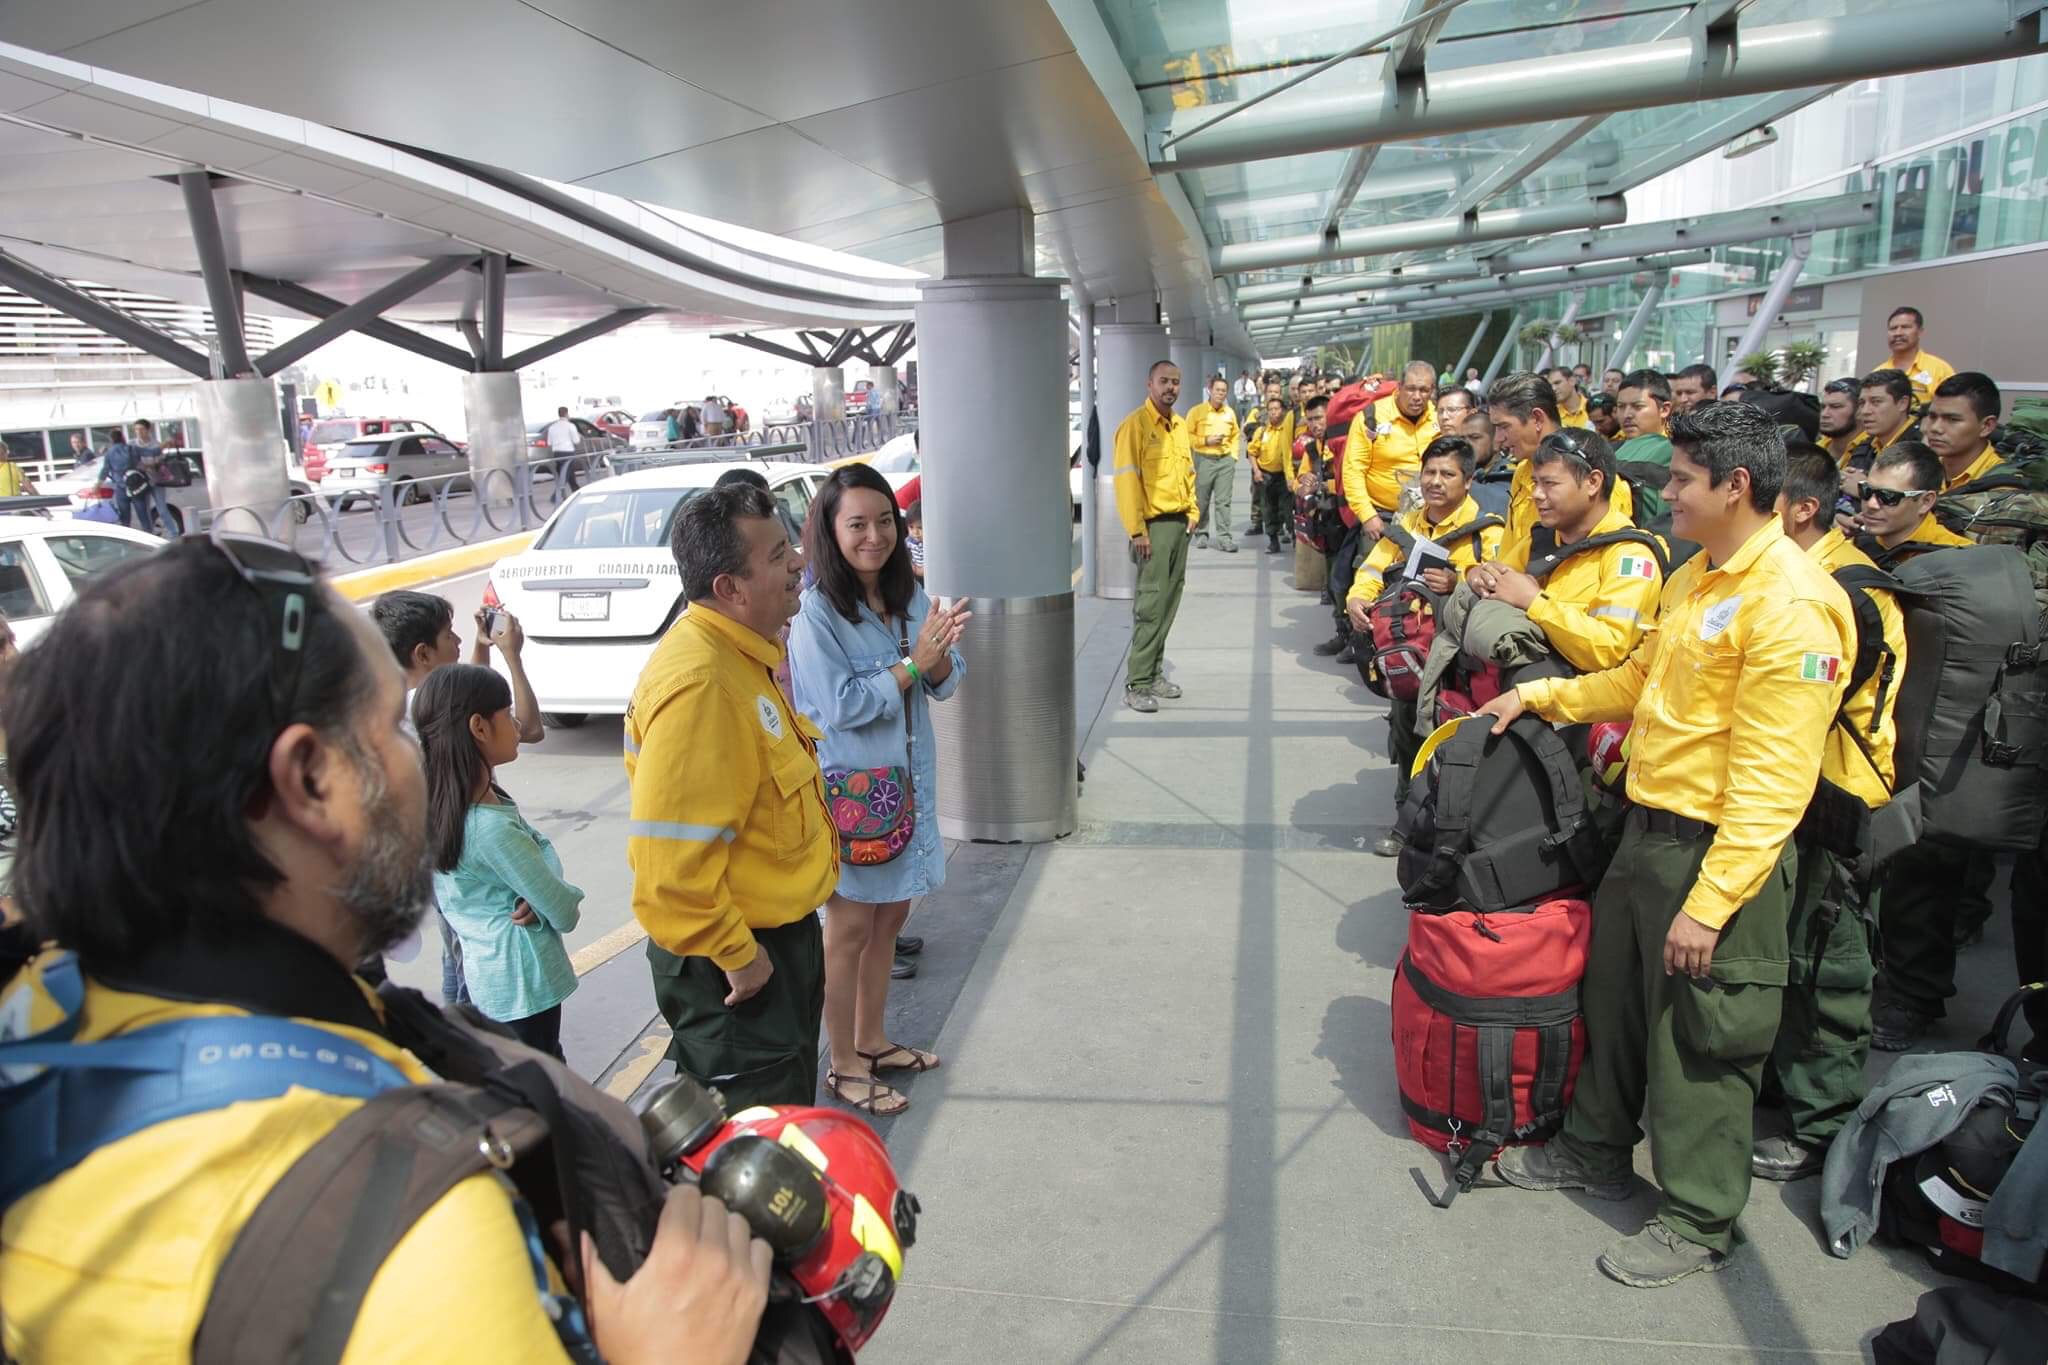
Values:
[(1345, 404), (1403, 619)]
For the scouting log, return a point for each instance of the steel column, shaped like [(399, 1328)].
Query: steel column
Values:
[(362, 310), (1775, 296), (1634, 331), (494, 312), (1471, 348), (1492, 225), (575, 336), (1685, 69), (51, 292), (222, 298), (1507, 346), (1571, 314)]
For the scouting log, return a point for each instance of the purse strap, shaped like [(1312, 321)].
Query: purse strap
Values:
[(916, 686)]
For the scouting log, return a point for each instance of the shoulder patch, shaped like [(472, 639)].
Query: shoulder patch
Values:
[(1819, 668), (1637, 566), (1719, 616)]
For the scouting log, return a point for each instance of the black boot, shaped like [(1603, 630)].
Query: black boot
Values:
[(1336, 644)]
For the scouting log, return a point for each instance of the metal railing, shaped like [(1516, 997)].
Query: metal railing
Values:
[(416, 517)]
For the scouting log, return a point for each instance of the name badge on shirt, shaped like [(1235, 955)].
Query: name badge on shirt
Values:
[(1718, 617), (771, 716)]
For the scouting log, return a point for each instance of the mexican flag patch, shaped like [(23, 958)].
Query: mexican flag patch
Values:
[(1636, 566), (1820, 668)]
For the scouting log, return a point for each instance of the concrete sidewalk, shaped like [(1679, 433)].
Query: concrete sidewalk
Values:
[(1167, 1127)]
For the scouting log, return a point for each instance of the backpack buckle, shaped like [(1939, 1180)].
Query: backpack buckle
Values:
[(1999, 754), (2022, 655)]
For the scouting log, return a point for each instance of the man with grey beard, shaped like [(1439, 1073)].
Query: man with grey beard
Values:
[(232, 819)]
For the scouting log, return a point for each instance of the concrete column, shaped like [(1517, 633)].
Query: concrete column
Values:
[(497, 434), (999, 526), (828, 404), (1186, 352), (1084, 391), (246, 482), (1124, 355), (887, 400)]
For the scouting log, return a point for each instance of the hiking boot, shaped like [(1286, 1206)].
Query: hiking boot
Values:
[(1894, 1027), (1166, 691), (1228, 547), (1387, 846), (1272, 547), (1348, 654), (1549, 1167), (1336, 644), (1787, 1158), (1201, 541), (1327, 600), (1140, 699), (1657, 1256)]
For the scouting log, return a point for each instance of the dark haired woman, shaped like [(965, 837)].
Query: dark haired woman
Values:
[(498, 878), (869, 653)]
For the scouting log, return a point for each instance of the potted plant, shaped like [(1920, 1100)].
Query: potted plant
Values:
[(1800, 360), (1762, 364)]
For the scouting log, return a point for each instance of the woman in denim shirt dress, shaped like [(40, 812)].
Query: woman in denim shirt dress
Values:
[(848, 660)]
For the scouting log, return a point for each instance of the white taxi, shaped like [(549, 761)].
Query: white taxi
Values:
[(44, 564), (599, 588)]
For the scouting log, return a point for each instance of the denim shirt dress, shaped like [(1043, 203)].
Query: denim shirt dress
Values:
[(840, 669)]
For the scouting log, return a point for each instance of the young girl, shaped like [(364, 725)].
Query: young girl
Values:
[(498, 879)]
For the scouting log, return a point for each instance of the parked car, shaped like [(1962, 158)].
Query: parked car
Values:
[(332, 431), (360, 470), (651, 431), (858, 398), (83, 487), (614, 422), (781, 412), (599, 587), (591, 438), (44, 564)]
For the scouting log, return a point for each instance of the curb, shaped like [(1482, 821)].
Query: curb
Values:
[(364, 584)]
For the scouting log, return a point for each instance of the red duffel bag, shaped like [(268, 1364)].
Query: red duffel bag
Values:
[(1487, 1032)]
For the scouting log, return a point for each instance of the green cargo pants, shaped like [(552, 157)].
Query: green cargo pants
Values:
[(1215, 483), (1824, 1035), (1160, 578), (1685, 1056), (763, 1050)]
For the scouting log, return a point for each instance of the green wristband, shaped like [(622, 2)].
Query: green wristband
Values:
[(911, 664)]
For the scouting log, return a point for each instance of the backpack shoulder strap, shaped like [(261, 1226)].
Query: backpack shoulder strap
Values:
[(1478, 526), (1542, 566), (1396, 532), (293, 1282)]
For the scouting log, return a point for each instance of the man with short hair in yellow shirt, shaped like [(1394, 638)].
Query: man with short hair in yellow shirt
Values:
[(1924, 369), (1155, 500), (1839, 434), (1571, 404), (1730, 699), (1523, 407), (1816, 1064), (1958, 425), (1383, 450), (1213, 441), (1270, 469), (1884, 410), (1449, 518), (1897, 500), (1595, 605)]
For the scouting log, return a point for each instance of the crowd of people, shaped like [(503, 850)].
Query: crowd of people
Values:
[(1661, 553)]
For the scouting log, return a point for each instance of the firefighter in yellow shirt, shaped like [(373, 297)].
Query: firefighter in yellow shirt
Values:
[(1383, 449), (1823, 1040), (1270, 470), (1571, 404), (1923, 369), (1523, 407), (1155, 500), (1958, 426), (731, 848), (1449, 518), (1897, 500), (1884, 410), (1840, 437), (1213, 439), (1730, 700), (1593, 606)]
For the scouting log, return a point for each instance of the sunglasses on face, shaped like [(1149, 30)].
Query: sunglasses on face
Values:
[(1887, 497)]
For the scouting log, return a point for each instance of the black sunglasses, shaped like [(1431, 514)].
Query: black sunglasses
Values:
[(277, 573), (1569, 441), (1888, 497)]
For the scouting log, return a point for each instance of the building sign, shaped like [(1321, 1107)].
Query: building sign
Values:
[(1803, 299)]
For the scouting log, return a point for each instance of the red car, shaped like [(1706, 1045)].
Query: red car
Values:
[(614, 422), (335, 431)]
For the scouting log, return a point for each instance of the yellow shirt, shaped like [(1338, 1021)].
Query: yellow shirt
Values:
[(1213, 430), (1878, 447), (1930, 532), (1579, 417), (1987, 460), (1274, 448), (11, 481), (1522, 518), (1841, 762), (1385, 554), (114, 1259), (1155, 471), (1596, 606), (1376, 467), (1842, 447), (1731, 698), (729, 831), (1926, 371)]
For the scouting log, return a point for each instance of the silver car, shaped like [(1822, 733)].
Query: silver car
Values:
[(362, 469)]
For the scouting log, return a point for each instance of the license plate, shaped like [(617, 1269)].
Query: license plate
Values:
[(586, 606)]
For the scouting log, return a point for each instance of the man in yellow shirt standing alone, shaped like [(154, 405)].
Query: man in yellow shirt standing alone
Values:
[(1213, 438), (1155, 500), (1731, 699), (1923, 369)]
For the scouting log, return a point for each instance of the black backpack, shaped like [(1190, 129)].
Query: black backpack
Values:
[(1837, 818), (1496, 821)]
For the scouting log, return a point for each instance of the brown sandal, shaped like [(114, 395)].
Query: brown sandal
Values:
[(877, 1096), (919, 1061)]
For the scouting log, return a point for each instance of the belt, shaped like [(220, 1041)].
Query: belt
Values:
[(1166, 516), (1664, 822)]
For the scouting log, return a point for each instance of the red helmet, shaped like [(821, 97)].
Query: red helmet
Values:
[(817, 1185), (1607, 751)]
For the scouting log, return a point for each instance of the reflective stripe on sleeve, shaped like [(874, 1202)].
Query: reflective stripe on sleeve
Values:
[(673, 829), (1617, 613)]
